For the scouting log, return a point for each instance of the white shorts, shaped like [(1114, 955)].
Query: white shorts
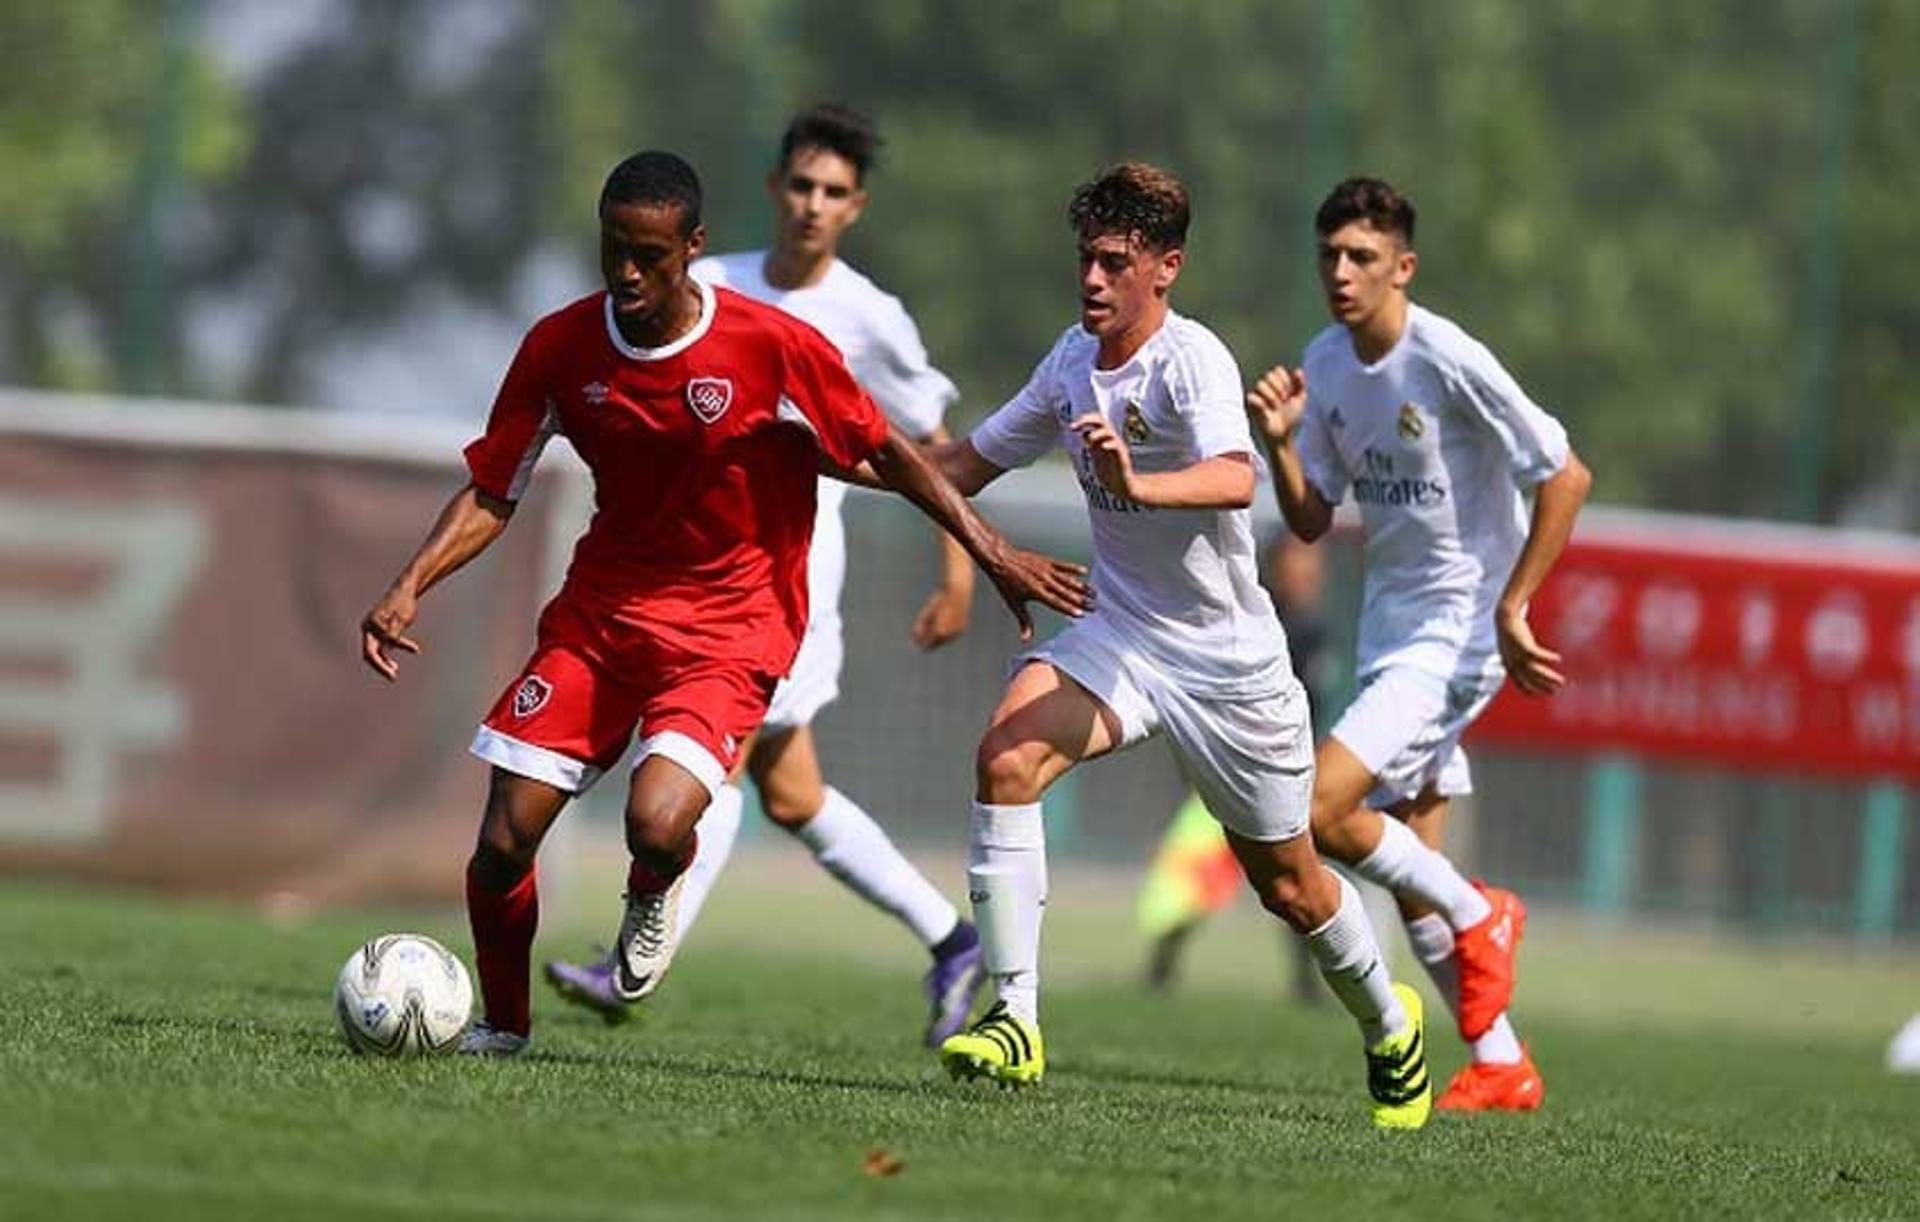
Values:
[(1250, 758), (1405, 726), (814, 681)]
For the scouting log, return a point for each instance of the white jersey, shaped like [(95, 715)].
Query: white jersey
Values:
[(1180, 585), (1437, 443), (883, 349)]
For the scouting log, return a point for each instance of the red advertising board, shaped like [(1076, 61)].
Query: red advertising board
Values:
[(1787, 650)]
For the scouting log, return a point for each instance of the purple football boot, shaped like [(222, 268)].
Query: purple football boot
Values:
[(951, 983), (590, 985)]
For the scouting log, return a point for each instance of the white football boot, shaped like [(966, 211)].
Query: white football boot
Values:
[(484, 1040), (649, 934)]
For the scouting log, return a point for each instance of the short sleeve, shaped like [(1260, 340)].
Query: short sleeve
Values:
[(1534, 442), (901, 379), (1320, 461), (818, 386), (1206, 390), (522, 421), (1027, 425)]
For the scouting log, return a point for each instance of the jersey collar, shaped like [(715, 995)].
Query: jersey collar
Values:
[(709, 305)]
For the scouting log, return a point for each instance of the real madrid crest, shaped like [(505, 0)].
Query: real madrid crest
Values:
[(1412, 425), (1134, 425)]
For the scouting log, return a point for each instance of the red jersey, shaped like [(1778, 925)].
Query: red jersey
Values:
[(704, 455)]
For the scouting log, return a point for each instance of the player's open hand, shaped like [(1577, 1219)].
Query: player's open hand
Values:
[(1276, 402), (385, 629), (943, 616), (1022, 577), (1112, 460), (1534, 668)]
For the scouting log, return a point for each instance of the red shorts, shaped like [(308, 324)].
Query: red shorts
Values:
[(569, 716)]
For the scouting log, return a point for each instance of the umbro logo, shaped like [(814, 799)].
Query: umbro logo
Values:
[(1501, 935), (595, 392), (1335, 419)]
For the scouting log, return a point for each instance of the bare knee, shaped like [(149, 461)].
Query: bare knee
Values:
[(1340, 831), (510, 834), (660, 829), (1286, 896), (1007, 768)]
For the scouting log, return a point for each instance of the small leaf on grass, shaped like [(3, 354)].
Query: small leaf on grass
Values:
[(881, 1162)]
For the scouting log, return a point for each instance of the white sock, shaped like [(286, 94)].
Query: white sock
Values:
[(855, 850), (1349, 959), (719, 828), (1007, 881), (1432, 940), (1402, 863)]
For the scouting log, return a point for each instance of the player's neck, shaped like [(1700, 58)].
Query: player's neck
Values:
[(796, 269), (1375, 336), (1116, 350), (679, 316)]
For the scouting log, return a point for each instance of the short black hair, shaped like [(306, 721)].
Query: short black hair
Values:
[(837, 129), (1375, 201), (1133, 198), (657, 178)]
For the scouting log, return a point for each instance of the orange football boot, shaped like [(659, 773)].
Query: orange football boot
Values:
[(1484, 955), (1495, 1088)]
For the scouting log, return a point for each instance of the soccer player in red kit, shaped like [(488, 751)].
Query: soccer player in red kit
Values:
[(704, 417)]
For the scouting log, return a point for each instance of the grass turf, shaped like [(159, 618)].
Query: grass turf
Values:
[(166, 1061)]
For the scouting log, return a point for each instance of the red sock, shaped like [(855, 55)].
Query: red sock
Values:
[(503, 923), (643, 880)]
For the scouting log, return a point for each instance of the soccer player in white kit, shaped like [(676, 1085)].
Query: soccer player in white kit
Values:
[(1437, 443), (1181, 642), (818, 192)]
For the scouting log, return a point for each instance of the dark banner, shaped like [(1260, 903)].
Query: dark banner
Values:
[(182, 703)]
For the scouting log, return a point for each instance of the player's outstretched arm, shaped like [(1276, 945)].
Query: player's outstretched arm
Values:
[(1535, 668), (470, 521), (1274, 407), (1021, 576)]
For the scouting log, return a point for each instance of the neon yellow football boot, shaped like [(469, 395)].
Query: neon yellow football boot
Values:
[(1001, 1047), (1397, 1071)]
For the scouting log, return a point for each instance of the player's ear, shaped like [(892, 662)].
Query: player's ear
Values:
[(1167, 268), (859, 201), (696, 242), (1404, 265)]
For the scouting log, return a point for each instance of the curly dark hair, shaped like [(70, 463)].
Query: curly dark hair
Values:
[(837, 129), (1372, 200), (1136, 199)]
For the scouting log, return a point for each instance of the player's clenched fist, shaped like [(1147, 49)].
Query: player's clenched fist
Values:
[(1276, 402)]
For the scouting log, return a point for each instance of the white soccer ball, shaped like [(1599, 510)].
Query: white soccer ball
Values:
[(402, 995), (1903, 1055)]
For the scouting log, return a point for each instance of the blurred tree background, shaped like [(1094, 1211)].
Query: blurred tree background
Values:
[(1689, 229)]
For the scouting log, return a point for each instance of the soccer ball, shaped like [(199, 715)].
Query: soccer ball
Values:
[(402, 995)]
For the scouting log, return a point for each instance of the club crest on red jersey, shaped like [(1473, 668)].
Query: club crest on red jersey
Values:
[(709, 398), (531, 696)]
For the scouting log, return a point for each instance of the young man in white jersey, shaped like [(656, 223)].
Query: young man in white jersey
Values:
[(1438, 445), (818, 192), (1181, 641)]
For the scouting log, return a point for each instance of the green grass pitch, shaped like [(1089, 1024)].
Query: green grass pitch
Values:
[(160, 1061)]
